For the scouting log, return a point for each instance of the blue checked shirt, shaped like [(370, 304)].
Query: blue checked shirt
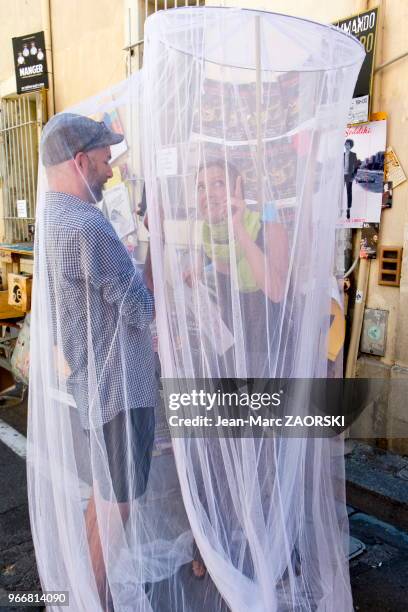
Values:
[(101, 311)]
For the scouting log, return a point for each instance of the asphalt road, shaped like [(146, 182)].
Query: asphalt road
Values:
[(379, 575), (18, 571)]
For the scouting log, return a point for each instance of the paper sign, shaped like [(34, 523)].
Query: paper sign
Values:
[(167, 161), (358, 111), (22, 209), (392, 168), (183, 232)]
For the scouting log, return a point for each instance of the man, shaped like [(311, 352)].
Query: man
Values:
[(350, 169), (101, 308)]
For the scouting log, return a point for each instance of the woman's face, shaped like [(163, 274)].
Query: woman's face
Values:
[(212, 194)]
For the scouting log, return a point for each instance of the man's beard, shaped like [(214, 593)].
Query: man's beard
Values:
[(96, 190), (95, 184)]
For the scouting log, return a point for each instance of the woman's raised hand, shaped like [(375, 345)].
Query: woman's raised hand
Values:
[(238, 205)]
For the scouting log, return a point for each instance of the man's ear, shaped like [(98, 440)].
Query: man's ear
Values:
[(81, 161)]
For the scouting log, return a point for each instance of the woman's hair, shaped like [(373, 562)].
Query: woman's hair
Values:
[(229, 170)]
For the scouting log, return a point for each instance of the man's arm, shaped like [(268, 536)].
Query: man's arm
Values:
[(107, 266), (147, 272)]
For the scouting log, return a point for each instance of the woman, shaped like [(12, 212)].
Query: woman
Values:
[(243, 265), (245, 262)]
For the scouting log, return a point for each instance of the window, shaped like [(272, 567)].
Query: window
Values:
[(20, 117)]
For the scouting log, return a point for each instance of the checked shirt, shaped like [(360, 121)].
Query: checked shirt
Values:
[(100, 309)]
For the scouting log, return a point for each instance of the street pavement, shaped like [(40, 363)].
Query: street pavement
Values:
[(379, 575), (18, 570)]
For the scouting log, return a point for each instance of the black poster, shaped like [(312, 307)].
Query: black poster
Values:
[(30, 62), (364, 27)]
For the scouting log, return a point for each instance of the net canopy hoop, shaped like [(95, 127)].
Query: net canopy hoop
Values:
[(358, 51), (236, 125), (259, 151)]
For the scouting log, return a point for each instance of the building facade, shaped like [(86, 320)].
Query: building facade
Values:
[(94, 44)]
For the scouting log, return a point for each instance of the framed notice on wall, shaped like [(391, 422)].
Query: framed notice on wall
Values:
[(364, 27), (30, 62)]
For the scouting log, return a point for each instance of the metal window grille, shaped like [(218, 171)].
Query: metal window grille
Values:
[(19, 162), (152, 6), (148, 7)]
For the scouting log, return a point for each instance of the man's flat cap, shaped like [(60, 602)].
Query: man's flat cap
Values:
[(67, 134)]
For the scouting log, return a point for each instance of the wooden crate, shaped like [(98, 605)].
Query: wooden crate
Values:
[(19, 291), (10, 257), (7, 311)]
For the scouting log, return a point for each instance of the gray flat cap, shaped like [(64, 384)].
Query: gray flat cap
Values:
[(67, 134)]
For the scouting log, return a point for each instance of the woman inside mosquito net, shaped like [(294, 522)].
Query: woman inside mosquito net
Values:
[(243, 263)]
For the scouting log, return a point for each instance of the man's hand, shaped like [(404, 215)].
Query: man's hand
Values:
[(62, 367), (193, 275)]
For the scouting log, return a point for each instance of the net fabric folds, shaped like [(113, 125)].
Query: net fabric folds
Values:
[(242, 158), (105, 502), (237, 119)]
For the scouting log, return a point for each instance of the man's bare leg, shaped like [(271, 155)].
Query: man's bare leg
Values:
[(96, 552), (95, 545), (197, 565), (198, 568)]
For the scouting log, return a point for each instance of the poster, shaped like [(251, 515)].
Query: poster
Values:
[(280, 160), (363, 162), (364, 27), (209, 118), (206, 313), (30, 62), (112, 120), (387, 195), (369, 240), (228, 112), (118, 209)]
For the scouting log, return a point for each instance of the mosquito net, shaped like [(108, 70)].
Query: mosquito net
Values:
[(237, 119)]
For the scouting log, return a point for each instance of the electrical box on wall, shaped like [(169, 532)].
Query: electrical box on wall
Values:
[(374, 334)]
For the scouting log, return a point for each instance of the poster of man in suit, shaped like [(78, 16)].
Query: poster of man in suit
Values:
[(363, 163), (350, 171)]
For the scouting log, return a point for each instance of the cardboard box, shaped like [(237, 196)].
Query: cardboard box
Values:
[(19, 291)]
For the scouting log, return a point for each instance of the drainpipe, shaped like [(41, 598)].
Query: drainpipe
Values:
[(358, 313), (46, 21), (364, 267)]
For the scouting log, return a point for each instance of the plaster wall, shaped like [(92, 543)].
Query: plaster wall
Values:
[(17, 17)]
